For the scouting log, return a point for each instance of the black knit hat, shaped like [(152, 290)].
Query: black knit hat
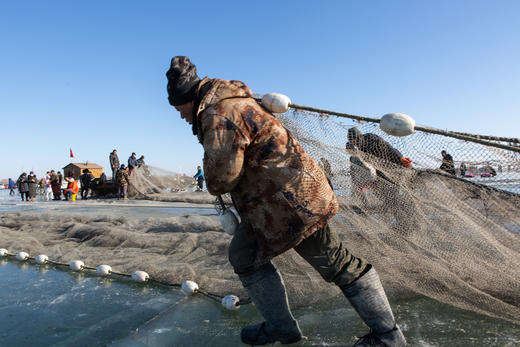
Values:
[(353, 133), (182, 81)]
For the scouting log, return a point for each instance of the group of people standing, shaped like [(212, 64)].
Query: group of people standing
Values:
[(121, 174), (448, 165), (50, 186), (27, 186)]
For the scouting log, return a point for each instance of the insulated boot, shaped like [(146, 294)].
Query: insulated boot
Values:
[(266, 289), (368, 298)]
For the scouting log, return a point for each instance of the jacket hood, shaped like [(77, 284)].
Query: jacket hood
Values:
[(212, 91)]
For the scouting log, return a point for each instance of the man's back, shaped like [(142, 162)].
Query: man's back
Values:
[(270, 177), (375, 145)]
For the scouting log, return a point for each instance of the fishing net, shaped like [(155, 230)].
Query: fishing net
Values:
[(153, 183), (454, 238), (451, 237)]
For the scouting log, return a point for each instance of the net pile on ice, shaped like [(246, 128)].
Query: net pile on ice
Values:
[(452, 238)]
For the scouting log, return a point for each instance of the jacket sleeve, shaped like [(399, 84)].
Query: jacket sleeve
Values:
[(224, 146)]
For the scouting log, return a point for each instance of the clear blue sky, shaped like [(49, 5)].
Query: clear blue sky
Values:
[(91, 75)]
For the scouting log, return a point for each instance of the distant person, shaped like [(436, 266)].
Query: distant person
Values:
[(374, 145), (123, 180), (114, 164), (140, 161), (55, 185), (102, 178), (142, 165), (463, 169), (60, 180), (23, 186), (72, 188), (377, 147), (11, 186), (363, 176), (447, 164), (369, 174), (32, 181), (86, 180), (327, 169), (199, 176), (132, 163), (489, 171), (48, 186)]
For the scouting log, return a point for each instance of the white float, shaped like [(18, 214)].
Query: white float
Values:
[(397, 124), (22, 256), (229, 221), (104, 269), (189, 287), (41, 259), (276, 103), (76, 265), (230, 302), (3, 252), (140, 276)]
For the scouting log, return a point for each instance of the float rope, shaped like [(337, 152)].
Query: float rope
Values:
[(231, 302), (480, 139)]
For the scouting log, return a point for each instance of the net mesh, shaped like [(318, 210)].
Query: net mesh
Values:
[(428, 232), (451, 237)]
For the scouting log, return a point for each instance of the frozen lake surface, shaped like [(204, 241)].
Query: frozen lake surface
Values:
[(46, 305)]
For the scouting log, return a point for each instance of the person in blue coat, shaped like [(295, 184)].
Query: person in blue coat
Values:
[(11, 187), (132, 163), (199, 176)]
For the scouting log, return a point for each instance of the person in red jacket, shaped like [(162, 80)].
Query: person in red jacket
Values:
[(72, 188)]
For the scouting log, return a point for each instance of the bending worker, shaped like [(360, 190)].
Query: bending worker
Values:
[(284, 202)]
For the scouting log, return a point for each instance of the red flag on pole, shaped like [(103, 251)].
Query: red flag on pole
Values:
[(71, 155)]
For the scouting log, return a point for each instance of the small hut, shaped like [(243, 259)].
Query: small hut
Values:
[(77, 169)]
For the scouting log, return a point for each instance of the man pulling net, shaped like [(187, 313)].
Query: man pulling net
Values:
[(284, 201)]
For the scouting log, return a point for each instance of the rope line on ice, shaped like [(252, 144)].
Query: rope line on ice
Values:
[(230, 302)]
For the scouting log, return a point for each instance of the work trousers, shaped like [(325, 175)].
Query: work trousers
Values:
[(123, 191), (323, 250), (84, 193), (56, 191)]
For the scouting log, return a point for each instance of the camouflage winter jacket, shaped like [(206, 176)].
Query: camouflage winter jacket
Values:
[(122, 178), (277, 189)]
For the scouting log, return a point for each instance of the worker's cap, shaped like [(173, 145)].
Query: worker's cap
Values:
[(354, 133), (182, 81)]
